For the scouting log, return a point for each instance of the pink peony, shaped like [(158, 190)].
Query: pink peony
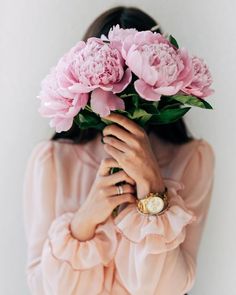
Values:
[(123, 39), (201, 81), (102, 102), (160, 68), (116, 36), (141, 39), (96, 70), (59, 104), (65, 75), (95, 64)]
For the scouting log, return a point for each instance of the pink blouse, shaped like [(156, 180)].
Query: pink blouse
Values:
[(129, 253)]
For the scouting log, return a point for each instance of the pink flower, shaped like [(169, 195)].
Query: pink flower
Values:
[(65, 75), (142, 38), (59, 104), (201, 81), (95, 64), (102, 102), (160, 68), (116, 36)]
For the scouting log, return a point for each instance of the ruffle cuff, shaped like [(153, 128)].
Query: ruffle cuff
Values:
[(159, 233), (82, 255)]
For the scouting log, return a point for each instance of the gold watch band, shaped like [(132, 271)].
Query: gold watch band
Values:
[(153, 203)]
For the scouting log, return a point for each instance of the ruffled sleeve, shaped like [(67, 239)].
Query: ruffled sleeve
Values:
[(58, 263), (161, 251), (162, 233), (81, 255)]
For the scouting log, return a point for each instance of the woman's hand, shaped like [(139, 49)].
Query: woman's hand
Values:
[(129, 145), (102, 200)]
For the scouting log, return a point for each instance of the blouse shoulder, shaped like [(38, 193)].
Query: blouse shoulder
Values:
[(42, 151), (200, 161), (197, 148), (46, 149), (205, 151), (193, 157)]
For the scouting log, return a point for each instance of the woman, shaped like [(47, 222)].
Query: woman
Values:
[(75, 244)]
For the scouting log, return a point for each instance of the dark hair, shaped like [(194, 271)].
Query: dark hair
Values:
[(126, 17)]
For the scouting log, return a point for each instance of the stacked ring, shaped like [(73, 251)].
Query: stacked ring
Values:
[(120, 190)]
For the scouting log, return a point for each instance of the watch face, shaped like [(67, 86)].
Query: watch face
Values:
[(155, 205)]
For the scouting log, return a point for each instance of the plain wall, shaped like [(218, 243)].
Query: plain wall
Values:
[(34, 34)]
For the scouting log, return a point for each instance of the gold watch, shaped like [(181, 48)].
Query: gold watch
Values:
[(153, 203)]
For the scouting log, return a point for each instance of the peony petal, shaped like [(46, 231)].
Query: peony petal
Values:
[(119, 87), (102, 102), (64, 92), (61, 124), (145, 91), (83, 99), (168, 90), (135, 62), (186, 75), (80, 88), (127, 45), (149, 74), (144, 37), (207, 92), (106, 88)]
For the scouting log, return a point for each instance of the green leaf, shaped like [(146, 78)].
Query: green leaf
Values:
[(106, 122), (137, 113), (142, 121), (86, 119), (169, 115), (173, 41), (192, 100), (140, 116), (155, 104), (127, 95), (135, 100), (99, 126), (150, 108), (172, 106), (121, 112)]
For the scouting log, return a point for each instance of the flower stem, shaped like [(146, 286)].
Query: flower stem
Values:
[(88, 108)]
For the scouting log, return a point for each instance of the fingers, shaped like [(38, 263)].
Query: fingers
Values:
[(118, 177), (125, 122), (116, 143), (117, 131), (113, 152), (127, 188), (106, 165), (117, 200)]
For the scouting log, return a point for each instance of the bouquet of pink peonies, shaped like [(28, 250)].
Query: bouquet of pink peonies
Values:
[(142, 75)]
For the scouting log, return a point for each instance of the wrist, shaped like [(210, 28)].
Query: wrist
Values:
[(82, 228), (151, 185)]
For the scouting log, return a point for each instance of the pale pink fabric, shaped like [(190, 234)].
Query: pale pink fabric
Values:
[(128, 254)]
